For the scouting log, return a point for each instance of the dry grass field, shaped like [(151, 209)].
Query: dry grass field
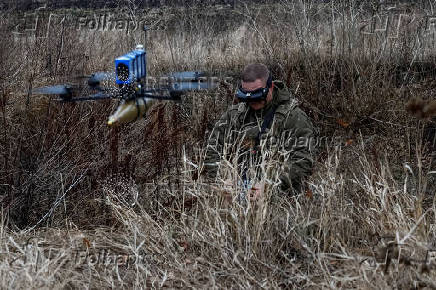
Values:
[(84, 205)]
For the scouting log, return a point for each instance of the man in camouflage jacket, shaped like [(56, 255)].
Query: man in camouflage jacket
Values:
[(288, 138)]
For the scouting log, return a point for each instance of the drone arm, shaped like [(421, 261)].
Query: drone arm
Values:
[(94, 97)]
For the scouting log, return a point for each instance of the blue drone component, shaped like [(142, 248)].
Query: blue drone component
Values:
[(131, 67)]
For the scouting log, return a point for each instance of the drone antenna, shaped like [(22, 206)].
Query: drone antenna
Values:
[(145, 28)]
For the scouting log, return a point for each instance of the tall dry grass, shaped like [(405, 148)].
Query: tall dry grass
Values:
[(70, 185)]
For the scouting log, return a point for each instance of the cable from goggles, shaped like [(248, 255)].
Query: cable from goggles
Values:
[(255, 95)]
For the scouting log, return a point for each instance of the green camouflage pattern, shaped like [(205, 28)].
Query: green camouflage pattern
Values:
[(289, 140)]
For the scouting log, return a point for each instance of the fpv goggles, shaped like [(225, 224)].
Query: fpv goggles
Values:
[(256, 95)]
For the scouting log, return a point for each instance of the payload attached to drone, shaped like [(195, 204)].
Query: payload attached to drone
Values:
[(131, 79)]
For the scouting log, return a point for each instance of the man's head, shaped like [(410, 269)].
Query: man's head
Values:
[(254, 78)]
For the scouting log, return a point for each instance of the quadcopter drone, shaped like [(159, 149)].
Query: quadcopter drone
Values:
[(131, 79)]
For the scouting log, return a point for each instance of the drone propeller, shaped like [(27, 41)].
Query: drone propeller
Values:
[(95, 79), (187, 75), (180, 82), (190, 86), (61, 90), (95, 97)]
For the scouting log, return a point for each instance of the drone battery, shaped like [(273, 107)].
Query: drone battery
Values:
[(130, 67), (142, 63)]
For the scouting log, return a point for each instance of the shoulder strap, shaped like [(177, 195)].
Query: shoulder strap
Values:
[(266, 123)]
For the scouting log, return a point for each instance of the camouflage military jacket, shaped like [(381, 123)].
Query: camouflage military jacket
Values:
[(288, 140)]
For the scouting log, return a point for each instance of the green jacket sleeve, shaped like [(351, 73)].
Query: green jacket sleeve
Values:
[(298, 144)]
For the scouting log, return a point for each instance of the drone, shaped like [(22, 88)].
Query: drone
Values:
[(130, 77)]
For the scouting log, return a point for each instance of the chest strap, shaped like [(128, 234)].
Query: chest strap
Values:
[(267, 120)]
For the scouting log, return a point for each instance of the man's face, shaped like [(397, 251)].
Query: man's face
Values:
[(251, 86)]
